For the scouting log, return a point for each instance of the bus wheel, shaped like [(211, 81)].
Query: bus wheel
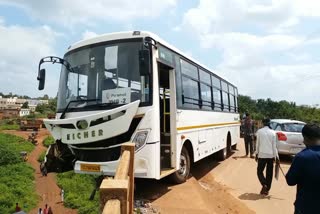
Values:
[(183, 172), (222, 154)]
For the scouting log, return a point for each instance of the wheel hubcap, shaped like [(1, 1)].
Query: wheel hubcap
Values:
[(183, 165)]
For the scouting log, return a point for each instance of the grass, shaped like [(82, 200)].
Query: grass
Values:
[(10, 148), (16, 176), (77, 189), (9, 127), (48, 141), (41, 156)]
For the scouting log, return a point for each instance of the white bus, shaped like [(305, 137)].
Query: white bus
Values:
[(133, 86)]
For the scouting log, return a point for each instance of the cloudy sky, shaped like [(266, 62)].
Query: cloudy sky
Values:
[(268, 48)]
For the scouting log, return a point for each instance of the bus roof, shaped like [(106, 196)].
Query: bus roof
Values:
[(138, 34)]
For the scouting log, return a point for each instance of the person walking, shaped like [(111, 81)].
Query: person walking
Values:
[(305, 172), (62, 195), (45, 210), (40, 211), (17, 207), (265, 155), (248, 130), (50, 210)]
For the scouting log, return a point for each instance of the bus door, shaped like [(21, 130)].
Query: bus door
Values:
[(167, 107)]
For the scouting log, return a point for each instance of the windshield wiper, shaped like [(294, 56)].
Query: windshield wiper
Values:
[(75, 101)]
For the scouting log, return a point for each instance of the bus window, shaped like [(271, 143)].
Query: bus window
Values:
[(189, 69), (225, 100), (232, 103), (231, 89), (206, 96), (190, 93), (224, 86), (215, 82), (204, 77), (216, 98)]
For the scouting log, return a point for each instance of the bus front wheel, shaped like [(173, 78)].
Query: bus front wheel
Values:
[(181, 175)]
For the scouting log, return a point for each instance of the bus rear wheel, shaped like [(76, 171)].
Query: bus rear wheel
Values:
[(222, 154), (181, 175), (225, 152)]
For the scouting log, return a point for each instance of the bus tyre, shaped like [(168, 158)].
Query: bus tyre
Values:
[(181, 175), (222, 154)]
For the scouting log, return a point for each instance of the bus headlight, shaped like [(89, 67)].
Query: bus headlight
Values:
[(140, 139)]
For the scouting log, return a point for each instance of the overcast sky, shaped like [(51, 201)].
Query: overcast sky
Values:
[(268, 48)]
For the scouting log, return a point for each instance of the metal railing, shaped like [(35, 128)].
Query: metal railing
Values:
[(116, 195)]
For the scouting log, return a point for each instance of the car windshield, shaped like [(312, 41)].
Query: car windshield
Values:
[(293, 127), (107, 75)]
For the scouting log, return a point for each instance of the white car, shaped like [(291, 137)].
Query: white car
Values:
[(290, 139)]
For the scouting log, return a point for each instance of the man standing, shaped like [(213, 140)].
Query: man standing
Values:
[(248, 130), (62, 195), (265, 155), (305, 172)]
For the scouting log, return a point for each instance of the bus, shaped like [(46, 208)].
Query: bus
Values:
[(134, 86)]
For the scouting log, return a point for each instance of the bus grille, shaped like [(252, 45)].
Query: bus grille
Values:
[(99, 155)]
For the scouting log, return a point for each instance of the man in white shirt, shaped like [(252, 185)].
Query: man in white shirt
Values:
[(265, 154)]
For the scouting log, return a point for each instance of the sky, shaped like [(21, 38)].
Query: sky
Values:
[(267, 48)]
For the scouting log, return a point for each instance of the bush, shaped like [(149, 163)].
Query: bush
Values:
[(10, 148), (77, 189), (16, 176), (8, 156), (41, 156), (48, 141)]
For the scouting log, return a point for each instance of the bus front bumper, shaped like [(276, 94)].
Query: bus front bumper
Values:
[(109, 168)]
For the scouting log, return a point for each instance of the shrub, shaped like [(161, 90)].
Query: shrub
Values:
[(48, 141), (8, 156), (41, 156), (77, 189)]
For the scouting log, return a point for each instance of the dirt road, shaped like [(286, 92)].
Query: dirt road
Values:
[(224, 187), (46, 187), (239, 174)]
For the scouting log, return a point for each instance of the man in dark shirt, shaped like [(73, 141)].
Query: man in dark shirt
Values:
[(305, 172), (248, 129)]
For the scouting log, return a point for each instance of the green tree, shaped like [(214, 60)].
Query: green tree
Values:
[(283, 109), (46, 97), (25, 105)]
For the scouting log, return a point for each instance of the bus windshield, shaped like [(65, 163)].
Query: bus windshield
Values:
[(108, 74)]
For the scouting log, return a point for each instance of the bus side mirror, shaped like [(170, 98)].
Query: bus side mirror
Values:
[(144, 62), (41, 78)]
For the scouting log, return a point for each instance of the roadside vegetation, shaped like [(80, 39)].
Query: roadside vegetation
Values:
[(9, 124), (48, 141), (16, 176), (41, 156), (261, 108), (77, 190)]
